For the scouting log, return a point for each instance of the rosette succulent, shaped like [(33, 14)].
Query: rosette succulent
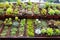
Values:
[(23, 5), (9, 11), (16, 11), (30, 28), (15, 24), (43, 31), (49, 31), (18, 2), (1, 11), (43, 12), (22, 25), (8, 21), (4, 32), (38, 31), (51, 12), (2, 5), (57, 12), (36, 9), (6, 4), (13, 31), (47, 4), (57, 32)]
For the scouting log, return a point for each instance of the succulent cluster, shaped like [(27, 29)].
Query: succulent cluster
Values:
[(48, 31), (8, 21), (43, 11), (22, 25), (30, 28), (4, 32), (41, 23), (13, 31)]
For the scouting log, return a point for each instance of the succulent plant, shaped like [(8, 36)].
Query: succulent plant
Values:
[(43, 11), (16, 18), (11, 5), (16, 11), (18, 2), (58, 6), (6, 4), (1, 11), (13, 31), (57, 12), (49, 31), (9, 11), (57, 31), (8, 21), (43, 31), (36, 9), (47, 4), (4, 32), (51, 12), (38, 31), (15, 24), (21, 31), (57, 23), (29, 3), (30, 29), (22, 23), (23, 5), (2, 5)]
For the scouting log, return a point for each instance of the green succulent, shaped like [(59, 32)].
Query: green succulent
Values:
[(36, 9), (23, 5), (1, 11), (18, 2), (29, 3), (49, 31), (16, 18), (2, 5), (57, 32), (51, 12), (57, 12), (47, 4), (43, 31), (22, 23), (6, 4), (16, 11), (30, 28), (43, 11), (15, 24), (9, 11), (8, 21), (13, 31)]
